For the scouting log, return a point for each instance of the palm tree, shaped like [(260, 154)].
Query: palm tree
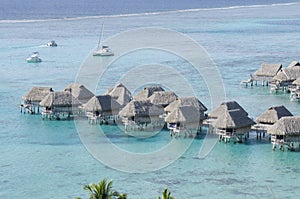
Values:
[(166, 195), (103, 190)]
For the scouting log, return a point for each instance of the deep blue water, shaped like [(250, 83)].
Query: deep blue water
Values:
[(49, 9)]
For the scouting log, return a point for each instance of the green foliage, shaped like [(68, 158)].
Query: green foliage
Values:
[(166, 195), (103, 190)]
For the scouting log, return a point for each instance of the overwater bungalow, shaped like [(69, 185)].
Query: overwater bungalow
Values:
[(141, 114), (285, 132), (121, 94), (270, 117), (295, 90), (60, 105), (230, 105), (266, 73), (185, 101), (184, 119), (80, 92), (230, 120), (103, 109), (32, 99), (162, 98), (286, 76), (147, 92), (293, 63)]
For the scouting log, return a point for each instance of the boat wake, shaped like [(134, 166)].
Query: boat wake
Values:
[(147, 13)]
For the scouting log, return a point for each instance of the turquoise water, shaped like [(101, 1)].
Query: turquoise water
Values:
[(46, 159)]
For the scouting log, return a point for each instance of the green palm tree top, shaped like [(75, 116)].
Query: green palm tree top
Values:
[(166, 195), (103, 190)]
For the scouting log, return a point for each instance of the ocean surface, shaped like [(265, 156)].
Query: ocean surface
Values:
[(46, 159)]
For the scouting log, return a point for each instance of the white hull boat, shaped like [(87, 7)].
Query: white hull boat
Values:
[(52, 44), (102, 50), (34, 58)]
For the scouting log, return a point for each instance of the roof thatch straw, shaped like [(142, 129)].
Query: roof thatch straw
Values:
[(185, 114), (80, 92), (226, 106), (288, 74), (186, 101), (297, 81), (286, 126), (293, 63), (37, 94), (60, 99), (273, 114), (120, 93), (102, 103), (141, 109), (162, 98), (147, 92), (232, 119), (268, 70)]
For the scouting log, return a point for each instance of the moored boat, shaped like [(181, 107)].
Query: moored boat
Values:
[(52, 44), (34, 58)]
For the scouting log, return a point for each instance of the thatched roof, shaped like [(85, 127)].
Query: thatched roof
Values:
[(293, 63), (268, 70), (162, 98), (147, 92), (102, 103), (185, 114), (186, 101), (288, 74), (141, 109), (80, 92), (232, 119), (297, 81), (273, 114), (59, 99), (37, 94), (226, 106), (286, 126), (120, 93)]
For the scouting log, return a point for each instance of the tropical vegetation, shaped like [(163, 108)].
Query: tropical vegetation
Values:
[(166, 195), (103, 190)]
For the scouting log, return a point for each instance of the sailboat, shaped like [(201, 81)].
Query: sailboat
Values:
[(102, 50)]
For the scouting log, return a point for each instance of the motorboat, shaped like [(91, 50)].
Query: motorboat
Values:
[(52, 44), (103, 51), (34, 58)]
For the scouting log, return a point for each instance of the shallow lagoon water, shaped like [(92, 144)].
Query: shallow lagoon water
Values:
[(46, 159)]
